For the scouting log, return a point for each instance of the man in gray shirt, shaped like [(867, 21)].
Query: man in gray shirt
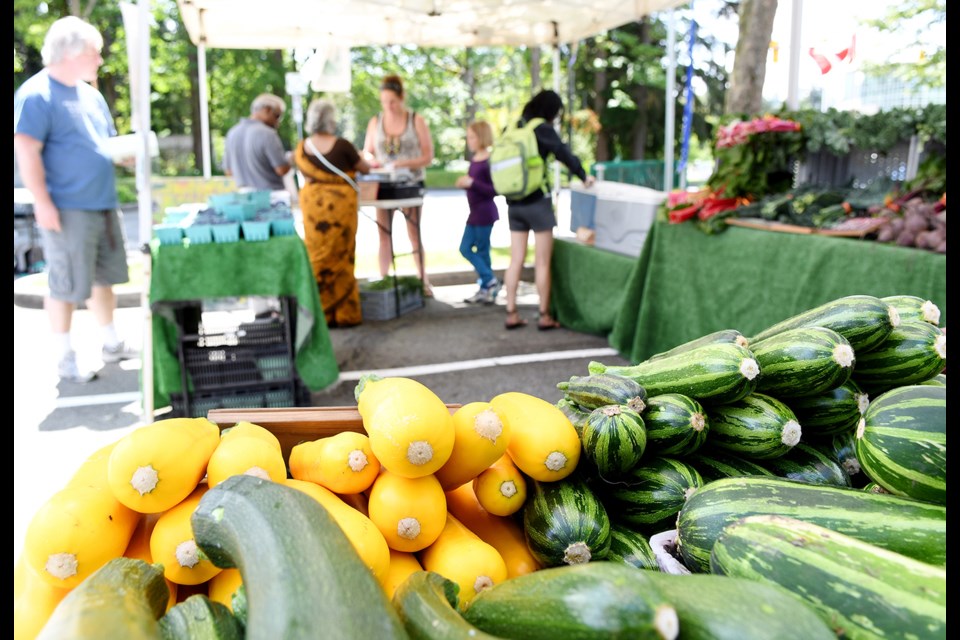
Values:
[(253, 153)]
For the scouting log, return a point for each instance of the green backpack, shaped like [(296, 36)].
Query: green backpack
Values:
[(516, 167)]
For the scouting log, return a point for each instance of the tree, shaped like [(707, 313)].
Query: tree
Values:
[(745, 94), (916, 16)]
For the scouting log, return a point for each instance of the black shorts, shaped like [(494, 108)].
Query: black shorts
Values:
[(535, 216)]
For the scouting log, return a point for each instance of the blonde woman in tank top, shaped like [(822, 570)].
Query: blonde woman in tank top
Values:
[(399, 138)]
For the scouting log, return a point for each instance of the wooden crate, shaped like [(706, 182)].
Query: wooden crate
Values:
[(297, 424)]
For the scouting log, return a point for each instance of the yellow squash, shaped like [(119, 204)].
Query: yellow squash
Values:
[(365, 537), (402, 564), (343, 463), (245, 454), (505, 534), (172, 544), (410, 428), (222, 586), (409, 512), (244, 428), (139, 548), (34, 599), (460, 555), (75, 532), (500, 488), (543, 442), (154, 467), (481, 439), (93, 472)]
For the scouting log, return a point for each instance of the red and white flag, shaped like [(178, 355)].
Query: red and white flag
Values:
[(826, 61)]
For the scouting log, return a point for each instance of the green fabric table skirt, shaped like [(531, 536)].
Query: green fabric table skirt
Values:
[(588, 286), (686, 284), (276, 267)]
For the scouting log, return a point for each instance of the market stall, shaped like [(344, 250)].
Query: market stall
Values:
[(273, 268), (686, 284)]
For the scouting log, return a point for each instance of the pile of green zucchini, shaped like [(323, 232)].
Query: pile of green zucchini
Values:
[(811, 456)]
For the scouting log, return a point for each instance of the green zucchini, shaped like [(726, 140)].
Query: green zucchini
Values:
[(716, 337), (859, 589), (842, 447), (614, 438), (713, 607), (805, 463), (650, 496), (803, 362), (428, 604), (122, 599), (579, 602), (576, 414), (830, 412), (565, 523), (873, 487), (200, 618), (676, 424), (901, 442), (865, 321), (756, 427), (913, 353), (300, 572), (631, 547), (913, 528), (711, 374), (712, 464), (602, 389), (914, 308)]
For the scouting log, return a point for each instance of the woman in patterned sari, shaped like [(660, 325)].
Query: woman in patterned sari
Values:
[(330, 215)]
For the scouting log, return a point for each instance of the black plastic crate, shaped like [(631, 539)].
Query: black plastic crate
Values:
[(234, 365), (275, 396)]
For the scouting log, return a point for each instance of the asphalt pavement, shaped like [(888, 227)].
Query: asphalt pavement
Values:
[(460, 351)]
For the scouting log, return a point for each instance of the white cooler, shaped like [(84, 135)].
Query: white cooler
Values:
[(623, 215)]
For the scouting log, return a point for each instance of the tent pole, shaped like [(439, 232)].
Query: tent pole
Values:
[(793, 74), (145, 206), (204, 106), (670, 102)]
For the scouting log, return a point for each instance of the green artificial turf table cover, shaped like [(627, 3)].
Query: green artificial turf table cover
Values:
[(277, 267)]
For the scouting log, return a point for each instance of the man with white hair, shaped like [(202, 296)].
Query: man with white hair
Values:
[(253, 152), (61, 132)]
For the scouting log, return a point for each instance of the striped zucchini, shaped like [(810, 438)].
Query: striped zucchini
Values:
[(713, 463), (913, 308), (649, 497), (614, 438), (631, 547), (200, 617), (912, 353), (676, 424), (873, 487), (902, 442), (830, 412), (939, 380), (565, 523), (859, 589), (865, 321), (717, 337), (602, 389), (756, 427), (574, 412), (715, 373), (913, 528), (594, 600), (808, 464), (803, 362), (842, 447)]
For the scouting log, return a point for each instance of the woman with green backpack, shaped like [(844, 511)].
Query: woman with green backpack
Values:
[(535, 211)]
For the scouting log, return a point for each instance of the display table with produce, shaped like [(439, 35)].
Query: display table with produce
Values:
[(687, 284), (273, 268)]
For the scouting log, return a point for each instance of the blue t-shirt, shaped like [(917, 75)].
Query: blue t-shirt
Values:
[(74, 124)]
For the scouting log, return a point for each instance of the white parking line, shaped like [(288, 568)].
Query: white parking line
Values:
[(419, 370)]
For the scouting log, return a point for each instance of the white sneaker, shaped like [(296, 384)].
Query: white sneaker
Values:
[(482, 295), (68, 370), (118, 353), (493, 290)]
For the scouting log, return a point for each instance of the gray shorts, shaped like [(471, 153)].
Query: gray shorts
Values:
[(88, 250), (535, 216)]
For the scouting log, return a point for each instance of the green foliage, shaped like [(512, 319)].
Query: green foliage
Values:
[(838, 131)]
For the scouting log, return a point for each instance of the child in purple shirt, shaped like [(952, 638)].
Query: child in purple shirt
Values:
[(475, 244)]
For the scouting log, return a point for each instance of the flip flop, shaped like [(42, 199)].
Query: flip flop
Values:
[(520, 322)]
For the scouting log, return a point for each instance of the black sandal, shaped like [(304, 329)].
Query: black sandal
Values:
[(546, 322), (516, 324)]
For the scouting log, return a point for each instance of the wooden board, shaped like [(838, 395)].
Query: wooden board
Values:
[(296, 424), (849, 228), (768, 225)]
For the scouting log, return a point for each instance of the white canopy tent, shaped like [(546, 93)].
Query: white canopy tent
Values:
[(286, 24)]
